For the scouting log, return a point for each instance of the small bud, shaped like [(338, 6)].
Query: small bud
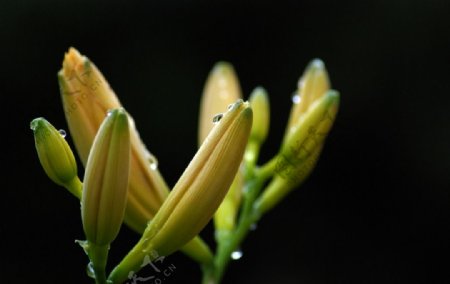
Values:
[(225, 216), (106, 180), (197, 194), (259, 101), (54, 153), (311, 86), (301, 149), (221, 90)]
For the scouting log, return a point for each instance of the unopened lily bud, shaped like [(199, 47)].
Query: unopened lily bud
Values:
[(221, 90), (87, 97), (54, 153), (278, 187), (197, 194), (313, 84), (225, 216), (106, 180), (301, 149), (259, 101)]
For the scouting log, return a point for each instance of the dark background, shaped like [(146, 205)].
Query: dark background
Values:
[(376, 209)]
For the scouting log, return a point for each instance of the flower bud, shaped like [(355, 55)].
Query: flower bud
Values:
[(312, 85), (54, 153), (259, 101), (225, 216), (197, 194), (300, 151), (106, 180), (87, 97), (221, 90)]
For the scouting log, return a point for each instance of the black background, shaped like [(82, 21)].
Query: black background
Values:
[(376, 209)]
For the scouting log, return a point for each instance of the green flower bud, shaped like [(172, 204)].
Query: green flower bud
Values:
[(54, 153), (301, 149), (259, 101)]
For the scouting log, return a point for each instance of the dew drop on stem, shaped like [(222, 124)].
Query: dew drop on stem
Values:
[(237, 254)]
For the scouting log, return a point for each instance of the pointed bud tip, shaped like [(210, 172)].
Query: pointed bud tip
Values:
[(73, 60), (119, 115), (37, 122), (258, 92), (223, 67), (316, 63)]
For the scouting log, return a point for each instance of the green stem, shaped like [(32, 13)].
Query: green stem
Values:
[(213, 272), (75, 187), (98, 256)]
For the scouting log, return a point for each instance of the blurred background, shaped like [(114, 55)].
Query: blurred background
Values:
[(375, 210)]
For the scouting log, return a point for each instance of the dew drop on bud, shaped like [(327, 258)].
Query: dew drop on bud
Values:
[(63, 133), (230, 106), (296, 98), (217, 117), (237, 254), (153, 162), (108, 113)]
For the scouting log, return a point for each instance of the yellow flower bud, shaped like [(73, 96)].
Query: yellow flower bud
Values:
[(106, 180), (55, 154), (197, 194), (301, 149), (221, 89), (312, 85), (87, 97)]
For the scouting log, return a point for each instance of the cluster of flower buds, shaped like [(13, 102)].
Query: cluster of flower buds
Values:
[(122, 182)]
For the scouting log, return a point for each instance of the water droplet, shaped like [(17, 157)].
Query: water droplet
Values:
[(230, 106), (153, 161), (253, 226), (296, 98), (63, 133), (90, 270), (237, 254), (109, 112), (217, 117)]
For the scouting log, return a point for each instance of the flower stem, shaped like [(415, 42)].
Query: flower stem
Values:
[(98, 256), (214, 271)]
